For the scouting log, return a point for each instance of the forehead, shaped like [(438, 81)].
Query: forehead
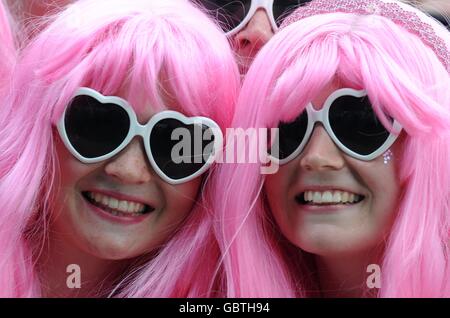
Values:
[(320, 99), (144, 114), (144, 108)]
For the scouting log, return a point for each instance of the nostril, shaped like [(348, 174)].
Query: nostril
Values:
[(243, 43)]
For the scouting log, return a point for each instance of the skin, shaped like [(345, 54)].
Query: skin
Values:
[(40, 7), (248, 41), (99, 245), (343, 238)]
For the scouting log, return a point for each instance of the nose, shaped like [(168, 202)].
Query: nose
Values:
[(131, 165), (255, 34), (321, 153)]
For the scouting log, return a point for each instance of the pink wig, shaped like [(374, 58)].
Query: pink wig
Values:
[(143, 47), (403, 77), (7, 44)]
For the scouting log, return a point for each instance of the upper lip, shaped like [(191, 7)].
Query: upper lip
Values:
[(125, 197)]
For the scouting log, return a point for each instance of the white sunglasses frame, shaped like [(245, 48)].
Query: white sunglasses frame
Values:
[(136, 129), (267, 5), (321, 116)]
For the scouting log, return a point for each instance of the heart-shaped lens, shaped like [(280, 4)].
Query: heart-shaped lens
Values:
[(180, 150), (227, 13), (93, 128), (356, 125), (282, 9), (290, 136)]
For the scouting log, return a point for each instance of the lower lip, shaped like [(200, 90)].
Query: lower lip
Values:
[(126, 220), (332, 208)]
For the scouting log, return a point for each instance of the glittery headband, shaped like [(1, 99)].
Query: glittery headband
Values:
[(390, 10)]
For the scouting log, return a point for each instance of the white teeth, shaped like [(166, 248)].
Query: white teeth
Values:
[(131, 207), (113, 203), (317, 198), (117, 206), (123, 206), (327, 197), (336, 196), (351, 197), (345, 196)]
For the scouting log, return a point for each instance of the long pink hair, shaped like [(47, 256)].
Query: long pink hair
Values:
[(403, 77), (7, 44), (106, 44)]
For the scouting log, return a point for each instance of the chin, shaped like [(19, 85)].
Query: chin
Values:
[(329, 243), (340, 248), (113, 251)]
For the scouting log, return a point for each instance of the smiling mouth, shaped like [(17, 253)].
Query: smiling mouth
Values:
[(330, 197), (117, 207)]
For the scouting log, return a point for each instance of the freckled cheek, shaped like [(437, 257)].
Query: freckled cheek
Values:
[(70, 169), (70, 174)]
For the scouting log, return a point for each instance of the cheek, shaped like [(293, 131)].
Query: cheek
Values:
[(384, 186), (273, 187), (378, 213), (70, 169), (276, 187), (69, 174), (179, 199)]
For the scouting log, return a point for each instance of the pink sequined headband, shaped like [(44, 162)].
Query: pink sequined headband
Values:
[(392, 11)]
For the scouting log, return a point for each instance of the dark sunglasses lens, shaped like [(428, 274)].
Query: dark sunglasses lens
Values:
[(178, 149), (290, 136), (356, 125), (95, 129), (442, 19), (227, 13), (282, 9)]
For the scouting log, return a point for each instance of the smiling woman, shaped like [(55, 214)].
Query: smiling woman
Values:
[(359, 93), (86, 176)]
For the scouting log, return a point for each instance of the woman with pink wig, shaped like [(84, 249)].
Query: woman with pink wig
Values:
[(359, 206), (94, 203)]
